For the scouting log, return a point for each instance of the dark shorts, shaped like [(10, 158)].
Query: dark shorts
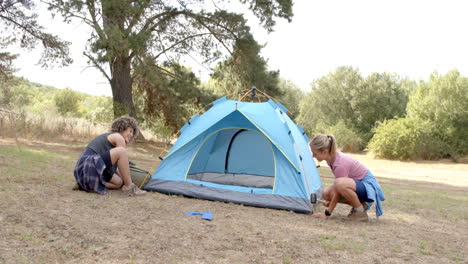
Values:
[(361, 191), (109, 171)]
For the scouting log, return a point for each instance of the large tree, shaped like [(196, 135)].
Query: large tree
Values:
[(127, 31)]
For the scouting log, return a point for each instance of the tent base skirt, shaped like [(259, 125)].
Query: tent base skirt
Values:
[(273, 201)]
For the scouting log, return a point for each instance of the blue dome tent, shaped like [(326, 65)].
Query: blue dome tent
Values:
[(241, 152)]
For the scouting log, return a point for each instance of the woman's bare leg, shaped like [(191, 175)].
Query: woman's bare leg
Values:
[(115, 182), (119, 155), (328, 194), (346, 187)]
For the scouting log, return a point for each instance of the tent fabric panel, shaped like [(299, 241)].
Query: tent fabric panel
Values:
[(246, 180), (217, 157), (301, 130), (264, 117), (175, 167), (310, 170), (250, 153), (216, 194), (216, 113), (203, 155), (288, 181), (282, 107)]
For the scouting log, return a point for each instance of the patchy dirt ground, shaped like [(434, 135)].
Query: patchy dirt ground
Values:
[(43, 221)]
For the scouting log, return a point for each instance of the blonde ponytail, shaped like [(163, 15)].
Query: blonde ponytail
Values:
[(323, 142)]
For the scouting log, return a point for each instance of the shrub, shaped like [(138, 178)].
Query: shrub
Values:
[(347, 139), (97, 109), (67, 101), (406, 138), (345, 95), (444, 101)]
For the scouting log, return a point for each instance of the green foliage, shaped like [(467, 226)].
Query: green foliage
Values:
[(329, 100), (97, 109), (126, 32), (347, 139), (6, 92), (345, 96), (379, 97), (18, 25), (18, 93), (6, 63), (171, 94), (291, 97), (244, 69), (67, 101), (22, 95), (443, 100), (406, 138)]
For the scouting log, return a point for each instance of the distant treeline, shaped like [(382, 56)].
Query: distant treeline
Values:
[(390, 116)]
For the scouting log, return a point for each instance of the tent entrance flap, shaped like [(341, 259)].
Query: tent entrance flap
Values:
[(235, 156)]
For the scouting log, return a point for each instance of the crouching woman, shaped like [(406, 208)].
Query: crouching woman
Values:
[(104, 162), (354, 185)]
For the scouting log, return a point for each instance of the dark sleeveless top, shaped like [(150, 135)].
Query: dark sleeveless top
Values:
[(100, 145)]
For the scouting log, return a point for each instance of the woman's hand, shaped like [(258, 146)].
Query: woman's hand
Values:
[(320, 215)]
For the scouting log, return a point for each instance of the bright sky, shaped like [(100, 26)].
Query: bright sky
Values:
[(409, 37)]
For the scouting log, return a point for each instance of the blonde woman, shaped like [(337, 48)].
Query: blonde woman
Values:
[(354, 184), (104, 162)]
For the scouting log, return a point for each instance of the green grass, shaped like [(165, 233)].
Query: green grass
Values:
[(39, 166), (327, 236), (411, 212), (434, 203)]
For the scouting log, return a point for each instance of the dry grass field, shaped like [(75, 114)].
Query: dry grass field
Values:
[(43, 221)]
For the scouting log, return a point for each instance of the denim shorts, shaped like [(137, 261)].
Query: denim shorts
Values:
[(361, 191)]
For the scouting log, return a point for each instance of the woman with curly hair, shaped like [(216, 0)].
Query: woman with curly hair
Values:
[(104, 162)]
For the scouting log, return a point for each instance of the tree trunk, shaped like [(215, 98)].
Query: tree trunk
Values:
[(121, 84)]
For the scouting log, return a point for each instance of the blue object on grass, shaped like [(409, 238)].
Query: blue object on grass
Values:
[(193, 213), (207, 215)]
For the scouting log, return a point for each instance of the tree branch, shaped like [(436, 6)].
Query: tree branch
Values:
[(215, 35), (23, 27), (135, 19), (160, 68), (179, 42), (92, 13), (12, 3), (96, 64), (68, 13)]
